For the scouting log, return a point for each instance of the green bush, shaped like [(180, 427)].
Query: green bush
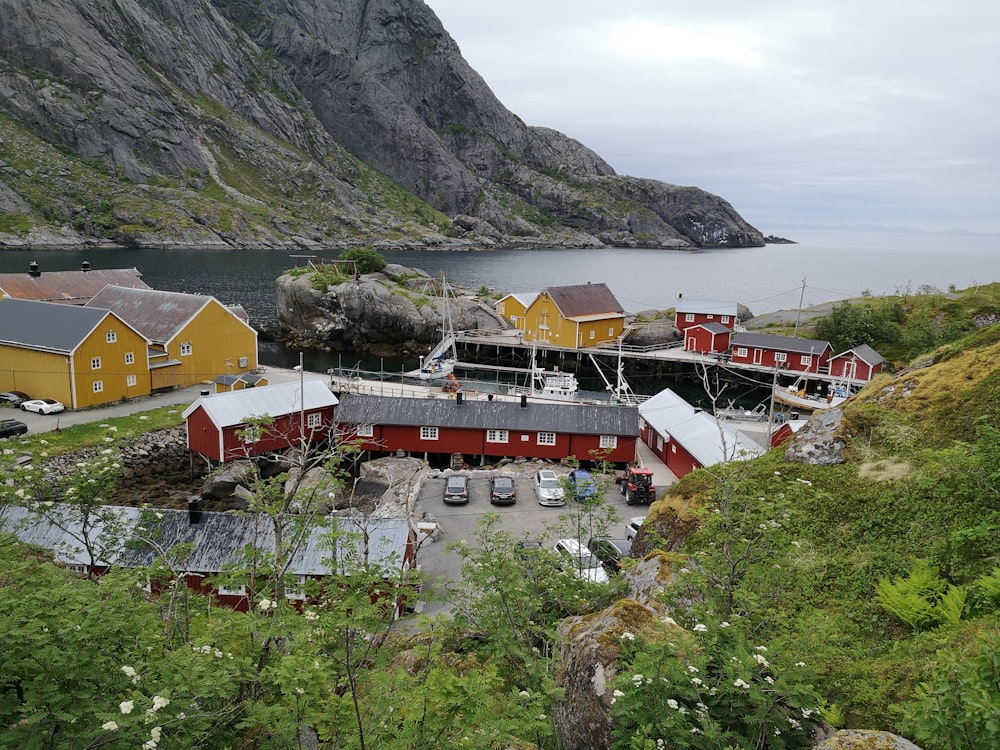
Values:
[(368, 259)]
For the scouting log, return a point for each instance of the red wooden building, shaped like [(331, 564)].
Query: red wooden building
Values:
[(692, 312), (784, 352), (860, 363), (218, 541), (215, 422), (707, 338), (437, 428)]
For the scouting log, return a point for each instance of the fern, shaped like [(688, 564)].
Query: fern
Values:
[(921, 599)]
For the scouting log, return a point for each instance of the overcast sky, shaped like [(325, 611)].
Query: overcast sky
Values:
[(800, 113)]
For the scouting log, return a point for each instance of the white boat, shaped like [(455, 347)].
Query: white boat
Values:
[(440, 363), (796, 397)]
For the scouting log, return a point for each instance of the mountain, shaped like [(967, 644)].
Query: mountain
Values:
[(295, 123)]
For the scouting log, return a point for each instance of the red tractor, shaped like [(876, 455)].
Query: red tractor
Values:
[(636, 484)]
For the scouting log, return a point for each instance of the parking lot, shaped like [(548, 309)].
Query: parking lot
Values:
[(525, 518)]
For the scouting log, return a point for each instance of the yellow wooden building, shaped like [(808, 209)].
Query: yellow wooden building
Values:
[(512, 308), (81, 357), (193, 338), (575, 317)]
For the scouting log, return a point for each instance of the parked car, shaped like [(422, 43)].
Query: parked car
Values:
[(632, 527), (12, 428), (15, 398), (456, 489), (580, 561), (610, 552), (548, 488), (503, 490), (42, 405), (582, 485)]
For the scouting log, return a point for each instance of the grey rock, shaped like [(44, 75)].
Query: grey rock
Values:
[(864, 739), (818, 443)]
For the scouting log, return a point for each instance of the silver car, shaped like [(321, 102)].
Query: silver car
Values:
[(548, 488), (580, 561)]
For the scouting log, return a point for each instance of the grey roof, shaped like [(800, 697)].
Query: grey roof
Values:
[(47, 326), (780, 343), (706, 307), (709, 440), (864, 353), (218, 538), (233, 407), (577, 419), (713, 327)]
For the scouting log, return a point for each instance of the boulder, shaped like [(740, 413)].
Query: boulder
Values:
[(222, 483), (864, 739), (819, 443)]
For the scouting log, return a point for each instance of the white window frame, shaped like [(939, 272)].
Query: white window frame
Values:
[(780, 357), (98, 386), (689, 317), (806, 360), (111, 337), (130, 379), (741, 351), (95, 363), (241, 591), (497, 436), (429, 433), (366, 430), (546, 438), (725, 319), (243, 361), (611, 331), (130, 358), (593, 334), (296, 590), (187, 349), (608, 442), (314, 420)]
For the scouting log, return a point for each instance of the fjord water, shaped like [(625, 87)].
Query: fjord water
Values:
[(834, 265)]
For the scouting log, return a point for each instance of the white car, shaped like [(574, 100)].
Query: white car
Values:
[(632, 527), (548, 489), (580, 561), (42, 405)]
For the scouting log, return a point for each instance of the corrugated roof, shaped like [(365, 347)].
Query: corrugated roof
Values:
[(702, 435), (780, 343), (713, 327), (574, 419), (865, 353), (706, 307), (46, 326), (584, 299), (218, 538), (73, 287), (233, 408), (158, 315)]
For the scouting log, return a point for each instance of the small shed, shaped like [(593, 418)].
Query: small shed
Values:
[(707, 338), (861, 363), (226, 383), (216, 424)]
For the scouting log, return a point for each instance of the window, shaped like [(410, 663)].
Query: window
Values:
[(611, 331), (186, 349), (98, 386), (741, 351), (238, 591), (130, 358), (314, 420), (95, 363), (546, 438), (244, 361), (111, 337), (780, 356), (500, 308), (428, 433), (496, 436), (806, 360), (366, 430), (296, 589), (689, 317), (725, 318), (609, 441), (593, 335), (710, 316), (130, 380)]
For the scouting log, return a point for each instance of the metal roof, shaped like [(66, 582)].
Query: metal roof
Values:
[(713, 327), (702, 435), (780, 343), (706, 307), (576, 419), (72, 287), (158, 315), (218, 538), (584, 299), (233, 407), (47, 326), (864, 353)]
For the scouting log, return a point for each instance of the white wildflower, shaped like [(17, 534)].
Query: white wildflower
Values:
[(700, 628), (627, 636), (740, 683), (160, 702), (761, 660), (126, 706), (109, 726), (672, 703), (131, 673)]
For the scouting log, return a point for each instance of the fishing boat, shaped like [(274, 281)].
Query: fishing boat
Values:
[(798, 398), (440, 363)]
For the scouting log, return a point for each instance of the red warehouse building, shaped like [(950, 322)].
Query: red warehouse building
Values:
[(861, 363), (707, 338), (692, 312), (215, 422), (438, 428), (784, 352)]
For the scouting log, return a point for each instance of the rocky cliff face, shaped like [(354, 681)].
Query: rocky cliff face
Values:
[(243, 123)]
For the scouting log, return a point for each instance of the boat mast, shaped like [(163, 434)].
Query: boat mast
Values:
[(798, 313)]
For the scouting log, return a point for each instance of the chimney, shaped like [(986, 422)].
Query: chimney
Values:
[(524, 401), (33, 269), (458, 398), (85, 266), (194, 511)]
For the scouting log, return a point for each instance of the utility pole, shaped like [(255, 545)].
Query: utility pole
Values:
[(798, 312)]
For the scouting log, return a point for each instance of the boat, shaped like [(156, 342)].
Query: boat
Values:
[(797, 397), (440, 363)]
